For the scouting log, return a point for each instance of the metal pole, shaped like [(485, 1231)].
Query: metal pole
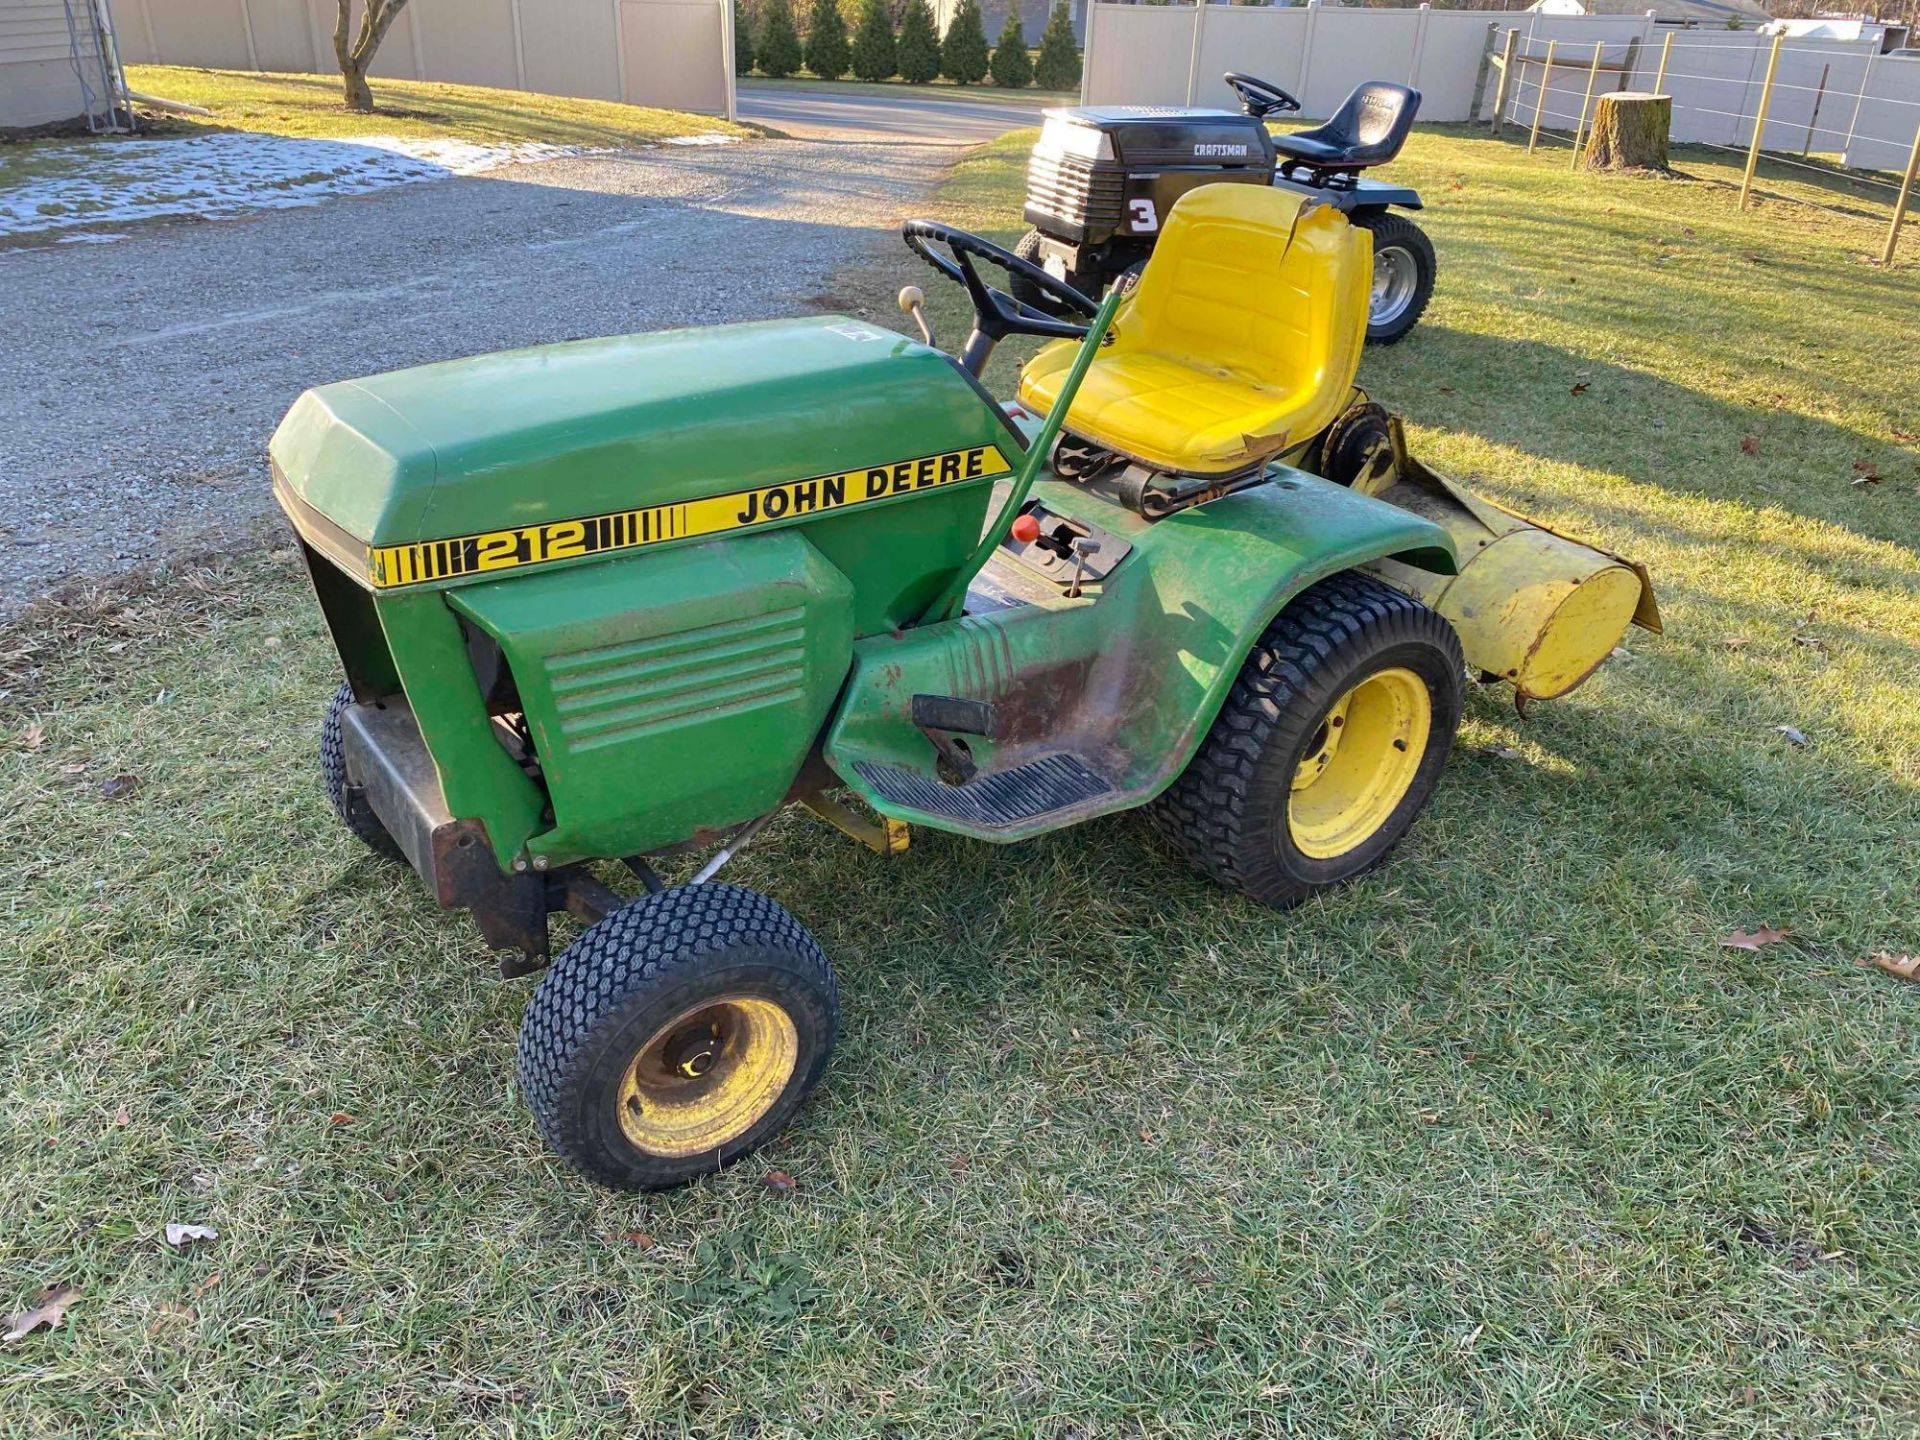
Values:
[(1900, 205), (1506, 73), (1760, 121), (1540, 98), (1580, 130), (1814, 119), (1666, 49)]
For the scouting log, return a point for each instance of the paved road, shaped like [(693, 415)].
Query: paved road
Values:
[(824, 114), (140, 379)]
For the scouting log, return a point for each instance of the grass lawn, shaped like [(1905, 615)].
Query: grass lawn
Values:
[(308, 107), (1499, 1142)]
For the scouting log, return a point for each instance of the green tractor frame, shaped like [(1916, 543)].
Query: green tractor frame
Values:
[(628, 598)]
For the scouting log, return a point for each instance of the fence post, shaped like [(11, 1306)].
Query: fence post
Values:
[(1760, 120), (253, 52), (1306, 55), (1580, 130), (1666, 49), (1813, 120), (1193, 58), (1506, 74), (1540, 96), (1480, 75), (1419, 44), (1900, 205), (1086, 53)]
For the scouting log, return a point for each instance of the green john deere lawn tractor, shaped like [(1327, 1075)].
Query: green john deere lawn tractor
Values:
[(624, 598)]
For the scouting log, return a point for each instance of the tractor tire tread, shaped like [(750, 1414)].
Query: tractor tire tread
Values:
[(1204, 813), (354, 811), (1389, 227), (647, 945)]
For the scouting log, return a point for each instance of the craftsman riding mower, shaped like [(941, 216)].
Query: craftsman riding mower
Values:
[(1102, 179), (619, 599)]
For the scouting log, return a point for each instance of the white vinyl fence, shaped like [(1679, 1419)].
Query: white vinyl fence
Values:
[(1861, 106), (677, 54)]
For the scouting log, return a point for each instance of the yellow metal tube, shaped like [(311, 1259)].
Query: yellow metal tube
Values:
[(1531, 607)]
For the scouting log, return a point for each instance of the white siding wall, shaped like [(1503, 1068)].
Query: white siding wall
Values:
[(38, 85)]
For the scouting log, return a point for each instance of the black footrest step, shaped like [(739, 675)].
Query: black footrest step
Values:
[(1006, 797)]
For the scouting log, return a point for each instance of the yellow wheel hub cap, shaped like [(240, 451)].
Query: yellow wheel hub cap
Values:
[(705, 1077), (1360, 763)]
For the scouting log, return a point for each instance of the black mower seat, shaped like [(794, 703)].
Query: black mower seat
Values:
[(1368, 129)]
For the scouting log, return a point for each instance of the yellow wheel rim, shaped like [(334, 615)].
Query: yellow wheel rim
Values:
[(706, 1077), (1360, 763)]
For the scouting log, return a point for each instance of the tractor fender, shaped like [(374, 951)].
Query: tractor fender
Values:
[(1122, 690)]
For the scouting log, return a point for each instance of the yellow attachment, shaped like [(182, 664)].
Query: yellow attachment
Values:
[(884, 836), (1530, 606), (1362, 761), (1242, 336), (705, 1077)]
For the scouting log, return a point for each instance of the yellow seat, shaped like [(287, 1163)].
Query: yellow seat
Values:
[(1241, 338)]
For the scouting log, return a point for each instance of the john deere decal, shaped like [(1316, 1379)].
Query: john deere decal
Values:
[(412, 564)]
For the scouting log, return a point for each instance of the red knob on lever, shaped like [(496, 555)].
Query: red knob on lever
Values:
[(1025, 529)]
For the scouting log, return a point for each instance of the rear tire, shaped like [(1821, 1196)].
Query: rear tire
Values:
[(348, 802), (1353, 687), (1404, 267), (712, 976)]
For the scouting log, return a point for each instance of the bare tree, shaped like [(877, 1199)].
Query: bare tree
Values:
[(354, 59)]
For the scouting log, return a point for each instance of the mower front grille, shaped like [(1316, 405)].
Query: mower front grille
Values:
[(624, 692), (1073, 193)]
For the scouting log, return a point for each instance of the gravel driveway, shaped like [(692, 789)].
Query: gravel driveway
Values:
[(140, 380)]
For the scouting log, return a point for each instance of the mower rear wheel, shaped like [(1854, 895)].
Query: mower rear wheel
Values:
[(1404, 267), (1328, 746), (677, 1034), (347, 800)]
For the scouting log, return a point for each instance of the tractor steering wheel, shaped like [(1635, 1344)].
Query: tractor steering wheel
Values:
[(996, 314), (1260, 98)]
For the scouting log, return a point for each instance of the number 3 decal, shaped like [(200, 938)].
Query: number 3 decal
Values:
[(1144, 220)]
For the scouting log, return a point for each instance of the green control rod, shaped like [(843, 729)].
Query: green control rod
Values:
[(954, 596)]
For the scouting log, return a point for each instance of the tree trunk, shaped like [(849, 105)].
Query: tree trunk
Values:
[(354, 58), (1630, 131)]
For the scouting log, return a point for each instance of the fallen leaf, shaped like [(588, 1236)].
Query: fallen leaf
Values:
[(642, 1239), (119, 787), (33, 737), (1743, 940), (181, 1236), (122, 1118), (168, 1311), (1499, 752), (1448, 390), (779, 1180), (1796, 737), (49, 1309), (1812, 642), (206, 1284), (1907, 967), (1146, 1137), (1749, 444), (340, 1117), (1905, 436), (1579, 388), (957, 1164), (77, 767), (1735, 642)]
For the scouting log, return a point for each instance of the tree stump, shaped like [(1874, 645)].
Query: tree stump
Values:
[(1630, 131)]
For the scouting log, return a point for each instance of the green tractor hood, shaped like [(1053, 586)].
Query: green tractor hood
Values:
[(593, 428)]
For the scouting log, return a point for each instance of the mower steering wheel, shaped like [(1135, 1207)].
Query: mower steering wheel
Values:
[(1260, 98), (996, 314)]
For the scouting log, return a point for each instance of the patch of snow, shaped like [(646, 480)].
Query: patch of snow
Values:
[(709, 137), (217, 177)]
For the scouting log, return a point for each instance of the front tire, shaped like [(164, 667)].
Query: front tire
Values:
[(349, 802), (676, 1035), (1328, 746), (1404, 267)]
